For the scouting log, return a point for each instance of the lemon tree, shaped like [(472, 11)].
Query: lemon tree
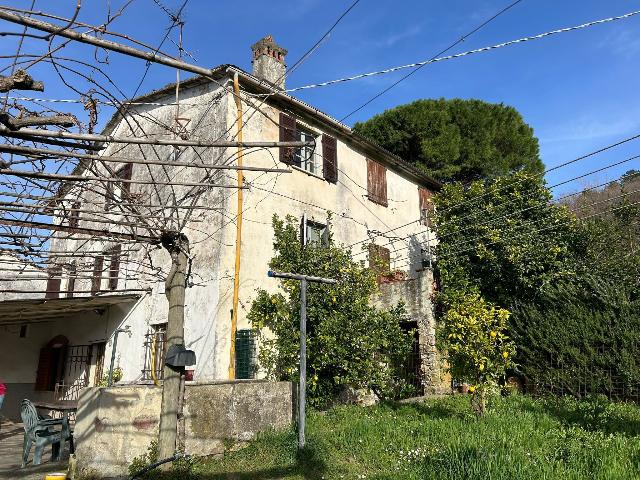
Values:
[(350, 343), (474, 334)]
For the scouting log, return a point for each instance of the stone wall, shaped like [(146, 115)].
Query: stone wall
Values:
[(115, 425), (416, 294)]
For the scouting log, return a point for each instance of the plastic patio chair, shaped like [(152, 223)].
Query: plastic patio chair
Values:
[(41, 433)]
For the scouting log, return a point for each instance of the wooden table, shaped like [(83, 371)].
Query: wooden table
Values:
[(64, 406)]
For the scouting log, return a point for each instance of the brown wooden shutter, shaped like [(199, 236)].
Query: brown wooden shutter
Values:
[(71, 283), (379, 259), (377, 182), (96, 281), (114, 267), (74, 215), (287, 134), (43, 375), (426, 206), (330, 158), (53, 282)]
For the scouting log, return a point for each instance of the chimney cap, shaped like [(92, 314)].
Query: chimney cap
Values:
[(268, 46)]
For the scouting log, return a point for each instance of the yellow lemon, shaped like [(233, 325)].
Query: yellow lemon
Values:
[(481, 367), (472, 389), (273, 300), (334, 299), (493, 334), (505, 354)]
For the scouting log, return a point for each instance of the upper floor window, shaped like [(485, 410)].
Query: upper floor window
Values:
[(305, 157), (376, 182), (319, 159), (117, 190)]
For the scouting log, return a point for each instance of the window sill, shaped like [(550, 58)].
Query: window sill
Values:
[(307, 172)]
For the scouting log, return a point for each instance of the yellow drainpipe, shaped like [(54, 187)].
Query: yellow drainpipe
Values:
[(153, 361), (236, 276)]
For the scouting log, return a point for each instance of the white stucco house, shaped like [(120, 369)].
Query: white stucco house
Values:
[(59, 336)]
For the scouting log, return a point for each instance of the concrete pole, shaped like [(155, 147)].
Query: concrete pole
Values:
[(302, 385), (178, 246)]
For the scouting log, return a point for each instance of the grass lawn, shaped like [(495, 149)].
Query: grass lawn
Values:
[(520, 438)]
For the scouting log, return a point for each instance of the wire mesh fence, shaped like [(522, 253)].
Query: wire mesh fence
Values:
[(615, 375)]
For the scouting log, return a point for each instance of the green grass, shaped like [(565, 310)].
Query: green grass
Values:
[(519, 438)]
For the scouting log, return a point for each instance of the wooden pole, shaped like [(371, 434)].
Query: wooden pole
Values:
[(87, 137), (178, 246), (236, 273)]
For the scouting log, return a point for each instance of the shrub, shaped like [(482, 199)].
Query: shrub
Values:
[(350, 343), (581, 338)]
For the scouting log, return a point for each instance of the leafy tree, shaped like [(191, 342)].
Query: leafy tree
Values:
[(350, 343), (474, 335), (503, 237), (457, 139)]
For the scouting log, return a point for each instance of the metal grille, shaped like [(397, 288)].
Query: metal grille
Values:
[(245, 354), (155, 340), (411, 368), (76, 372), (612, 381)]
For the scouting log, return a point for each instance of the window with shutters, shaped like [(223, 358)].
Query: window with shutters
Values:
[(427, 208), (305, 157), (96, 280), (114, 266), (377, 182), (54, 282), (118, 190), (74, 215), (309, 157), (379, 259)]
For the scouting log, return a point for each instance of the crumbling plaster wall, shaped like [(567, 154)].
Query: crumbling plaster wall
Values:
[(205, 108), (416, 294), (115, 425)]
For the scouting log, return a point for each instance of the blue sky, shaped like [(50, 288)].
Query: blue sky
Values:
[(579, 90)]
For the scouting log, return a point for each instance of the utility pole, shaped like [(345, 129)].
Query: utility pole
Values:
[(177, 245), (302, 385)]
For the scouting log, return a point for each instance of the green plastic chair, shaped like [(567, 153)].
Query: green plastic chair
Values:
[(40, 432)]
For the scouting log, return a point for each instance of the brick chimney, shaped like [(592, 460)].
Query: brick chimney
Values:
[(268, 61)]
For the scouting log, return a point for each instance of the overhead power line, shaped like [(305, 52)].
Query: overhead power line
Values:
[(454, 44), (464, 54)]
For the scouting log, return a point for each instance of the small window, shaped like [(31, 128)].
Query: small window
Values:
[(376, 182), (114, 267), (305, 157), (54, 282), (116, 191), (314, 232), (71, 281), (96, 280), (155, 348)]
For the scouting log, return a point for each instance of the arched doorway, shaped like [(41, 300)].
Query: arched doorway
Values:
[(51, 363)]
